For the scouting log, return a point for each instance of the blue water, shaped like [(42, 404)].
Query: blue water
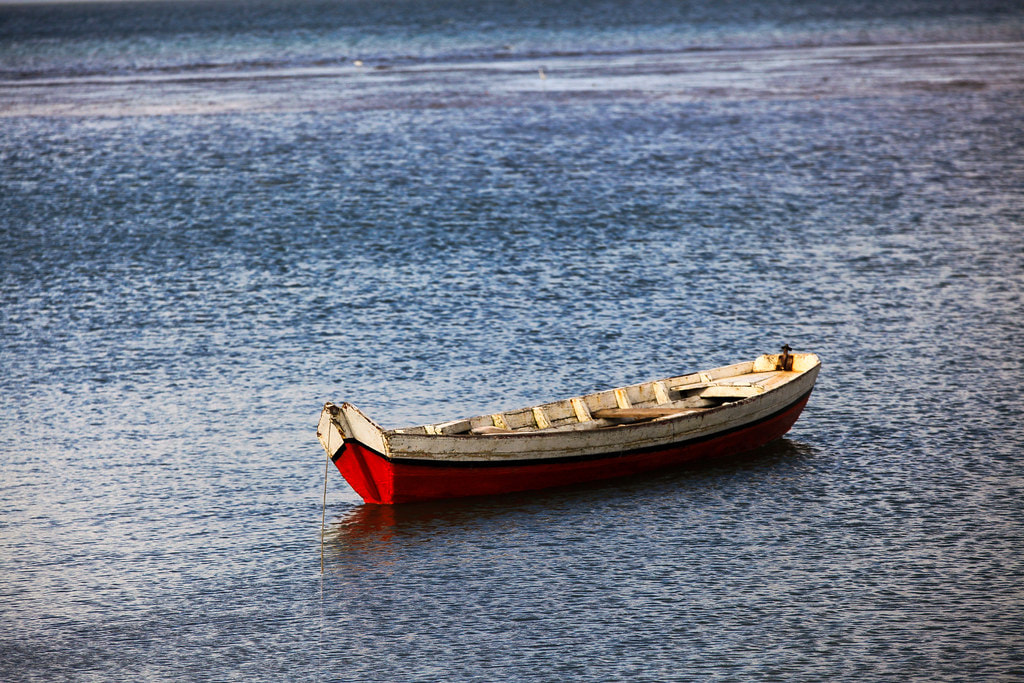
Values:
[(215, 216)]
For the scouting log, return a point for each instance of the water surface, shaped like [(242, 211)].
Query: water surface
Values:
[(212, 220)]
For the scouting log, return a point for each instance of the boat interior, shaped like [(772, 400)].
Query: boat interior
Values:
[(647, 401)]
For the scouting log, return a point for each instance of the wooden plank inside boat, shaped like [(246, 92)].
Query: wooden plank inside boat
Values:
[(639, 413), (730, 391)]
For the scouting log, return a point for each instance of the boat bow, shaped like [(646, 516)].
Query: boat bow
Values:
[(346, 423)]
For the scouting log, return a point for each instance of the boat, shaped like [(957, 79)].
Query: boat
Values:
[(618, 432)]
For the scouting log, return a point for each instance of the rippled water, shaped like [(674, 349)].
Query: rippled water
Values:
[(214, 221)]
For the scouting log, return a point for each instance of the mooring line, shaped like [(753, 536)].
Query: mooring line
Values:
[(323, 520), (323, 504)]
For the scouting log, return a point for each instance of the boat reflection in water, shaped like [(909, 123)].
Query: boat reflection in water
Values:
[(374, 536)]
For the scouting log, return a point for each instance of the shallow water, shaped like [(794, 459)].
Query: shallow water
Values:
[(215, 221)]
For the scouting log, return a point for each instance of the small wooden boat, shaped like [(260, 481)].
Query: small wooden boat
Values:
[(613, 433)]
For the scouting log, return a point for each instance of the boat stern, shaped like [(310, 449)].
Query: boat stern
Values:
[(787, 360)]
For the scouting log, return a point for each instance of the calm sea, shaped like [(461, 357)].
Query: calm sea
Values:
[(215, 216)]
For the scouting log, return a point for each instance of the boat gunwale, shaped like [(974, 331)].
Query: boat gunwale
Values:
[(525, 446), (709, 377), (697, 436), (706, 378)]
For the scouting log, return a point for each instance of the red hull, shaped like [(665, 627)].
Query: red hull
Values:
[(379, 480)]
